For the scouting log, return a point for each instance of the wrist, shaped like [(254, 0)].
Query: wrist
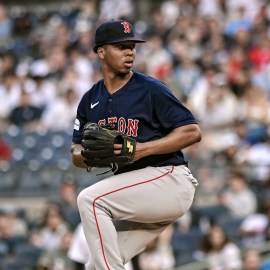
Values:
[(77, 158), (143, 150)]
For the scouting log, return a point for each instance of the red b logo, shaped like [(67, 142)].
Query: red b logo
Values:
[(126, 26)]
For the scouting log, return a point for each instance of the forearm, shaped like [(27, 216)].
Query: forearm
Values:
[(178, 139), (77, 158)]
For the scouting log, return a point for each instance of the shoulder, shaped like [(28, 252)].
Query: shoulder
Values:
[(149, 83), (145, 78)]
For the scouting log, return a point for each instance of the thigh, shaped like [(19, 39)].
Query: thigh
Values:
[(133, 237), (149, 195)]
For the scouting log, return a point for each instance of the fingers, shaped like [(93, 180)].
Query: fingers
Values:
[(117, 149)]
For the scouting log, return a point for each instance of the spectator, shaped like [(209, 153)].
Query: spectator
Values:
[(83, 68), (68, 192), (13, 234), (5, 23), (18, 226), (7, 61), (25, 115), (114, 9), (158, 254), (7, 245), (5, 150), (57, 258), (157, 57), (10, 94), (170, 11), (238, 197), (260, 152), (251, 8), (241, 21), (220, 253), (259, 53), (79, 252), (209, 188), (67, 103), (251, 259), (53, 227), (44, 91), (255, 107), (253, 230), (68, 200), (210, 8), (186, 72)]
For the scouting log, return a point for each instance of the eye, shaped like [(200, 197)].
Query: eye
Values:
[(125, 46)]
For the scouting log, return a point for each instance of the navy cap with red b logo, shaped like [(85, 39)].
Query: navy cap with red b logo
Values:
[(113, 32)]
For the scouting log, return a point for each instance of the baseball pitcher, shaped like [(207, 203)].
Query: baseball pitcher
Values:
[(132, 125)]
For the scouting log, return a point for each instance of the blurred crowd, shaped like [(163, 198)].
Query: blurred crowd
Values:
[(215, 57)]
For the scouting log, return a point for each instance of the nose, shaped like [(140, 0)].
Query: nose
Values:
[(129, 51)]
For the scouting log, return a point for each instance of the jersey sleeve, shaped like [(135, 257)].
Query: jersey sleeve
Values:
[(170, 112), (81, 119)]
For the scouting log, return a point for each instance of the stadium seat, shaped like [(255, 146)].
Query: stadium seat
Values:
[(231, 227), (8, 180), (72, 216), (184, 244), (18, 240), (16, 264), (212, 213), (28, 253), (29, 181)]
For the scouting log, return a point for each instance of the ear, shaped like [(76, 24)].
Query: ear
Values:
[(101, 52)]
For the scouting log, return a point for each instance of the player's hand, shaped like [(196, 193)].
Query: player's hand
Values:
[(118, 149), (140, 150)]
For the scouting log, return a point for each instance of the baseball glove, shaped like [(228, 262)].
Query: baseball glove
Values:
[(98, 143)]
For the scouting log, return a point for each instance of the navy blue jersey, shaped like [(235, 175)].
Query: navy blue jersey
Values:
[(144, 108)]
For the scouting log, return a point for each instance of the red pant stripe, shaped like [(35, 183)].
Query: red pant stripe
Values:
[(119, 189)]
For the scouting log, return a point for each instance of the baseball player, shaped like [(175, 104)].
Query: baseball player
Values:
[(131, 207)]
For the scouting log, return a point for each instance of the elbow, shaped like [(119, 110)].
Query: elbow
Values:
[(197, 135), (73, 159)]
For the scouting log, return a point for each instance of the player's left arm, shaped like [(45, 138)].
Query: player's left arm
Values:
[(178, 139)]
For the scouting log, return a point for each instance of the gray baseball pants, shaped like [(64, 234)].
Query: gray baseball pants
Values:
[(123, 213)]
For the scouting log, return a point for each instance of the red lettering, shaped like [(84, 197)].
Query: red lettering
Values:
[(126, 26), (102, 122), (132, 127), (112, 120), (122, 125)]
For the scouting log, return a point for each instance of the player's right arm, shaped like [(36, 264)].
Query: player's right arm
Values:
[(76, 147), (77, 158)]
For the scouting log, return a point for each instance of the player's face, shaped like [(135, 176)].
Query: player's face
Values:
[(119, 57)]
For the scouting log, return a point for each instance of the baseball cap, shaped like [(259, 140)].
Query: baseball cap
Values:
[(113, 32)]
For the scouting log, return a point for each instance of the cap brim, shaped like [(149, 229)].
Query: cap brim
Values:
[(136, 40)]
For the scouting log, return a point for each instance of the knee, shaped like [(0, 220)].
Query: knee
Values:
[(84, 200)]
